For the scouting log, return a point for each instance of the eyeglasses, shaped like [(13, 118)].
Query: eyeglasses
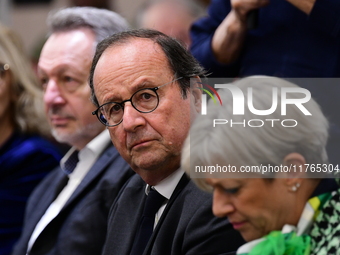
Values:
[(144, 100)]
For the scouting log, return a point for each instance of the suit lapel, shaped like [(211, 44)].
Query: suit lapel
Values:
[(180, 186), (52, 228), (134, 205), (41, 204), (125, 216), (96, 170), (45, 200)]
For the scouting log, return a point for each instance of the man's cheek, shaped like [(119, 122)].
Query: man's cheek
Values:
[(114, 139), (120, 143)]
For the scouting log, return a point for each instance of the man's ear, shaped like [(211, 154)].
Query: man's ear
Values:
[(196, 91)]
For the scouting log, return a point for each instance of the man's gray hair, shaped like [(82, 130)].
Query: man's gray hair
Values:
[(253, 146), (102, 22)]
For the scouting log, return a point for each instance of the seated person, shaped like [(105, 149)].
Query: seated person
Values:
[(67, 212), (26, 154), (140, 82), (285, 204)]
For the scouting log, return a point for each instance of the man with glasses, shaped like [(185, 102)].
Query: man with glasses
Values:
[(67, 213), (140, 81)]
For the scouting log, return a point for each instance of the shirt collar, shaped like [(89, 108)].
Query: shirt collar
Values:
[(99, 143), (95, 147), (167, 186)]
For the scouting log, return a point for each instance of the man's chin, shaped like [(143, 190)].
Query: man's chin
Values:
[(77, 136), (63, 137), (147, 162)]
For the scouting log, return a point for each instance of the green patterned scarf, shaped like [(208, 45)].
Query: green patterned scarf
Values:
[(325, 232)]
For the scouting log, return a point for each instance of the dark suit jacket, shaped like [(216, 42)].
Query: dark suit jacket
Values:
[(187, 225), (80, 227)]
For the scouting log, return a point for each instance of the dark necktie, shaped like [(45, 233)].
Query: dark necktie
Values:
[(153, 202), (69, 165)]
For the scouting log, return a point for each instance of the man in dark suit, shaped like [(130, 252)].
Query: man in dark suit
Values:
[(140, 81), (67, 213)]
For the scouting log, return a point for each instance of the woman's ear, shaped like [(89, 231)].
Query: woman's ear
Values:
[(294, 158), (297, 170)]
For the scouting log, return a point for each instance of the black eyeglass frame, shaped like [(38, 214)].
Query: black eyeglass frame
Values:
[(96, 112)]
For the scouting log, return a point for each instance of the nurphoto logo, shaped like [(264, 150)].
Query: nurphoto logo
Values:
[(243, 101), (204, 97), (238, 100)]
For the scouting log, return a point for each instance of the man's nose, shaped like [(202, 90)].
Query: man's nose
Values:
[(53, 94), (132, 119)]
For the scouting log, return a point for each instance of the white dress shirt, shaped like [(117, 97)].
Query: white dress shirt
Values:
[(166, 187), (87, 157)]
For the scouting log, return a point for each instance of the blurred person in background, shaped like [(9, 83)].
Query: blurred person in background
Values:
[(26, 154), (103, 4), (282, 38), (67, 212), (171, 17), (276, 212)]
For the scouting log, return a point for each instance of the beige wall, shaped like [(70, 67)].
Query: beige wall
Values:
[(128, 8), (29, 21)]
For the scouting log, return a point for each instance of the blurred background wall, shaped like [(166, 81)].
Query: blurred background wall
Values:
[(28, 17)]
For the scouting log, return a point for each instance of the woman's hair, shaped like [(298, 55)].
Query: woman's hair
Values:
[(252, 146), (28, 108)]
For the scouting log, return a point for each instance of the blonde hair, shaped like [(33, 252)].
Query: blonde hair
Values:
[(28, 113)]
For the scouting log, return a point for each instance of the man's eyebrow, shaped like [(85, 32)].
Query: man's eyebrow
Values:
[(142, 85), (62, 70), (71, 71)]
